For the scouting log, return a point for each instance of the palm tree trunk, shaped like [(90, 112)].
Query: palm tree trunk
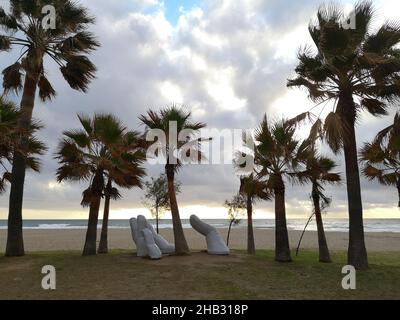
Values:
[(251, 247), (398, 191), (357, 253), (324, 255), (158, 231), (91, 233), (181, 247), (303, 233), (15, 241), (103, 246), (282, 249)]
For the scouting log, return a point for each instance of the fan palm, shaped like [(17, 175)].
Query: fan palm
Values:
[(278, 155), (319, 172), (102, 149), (9, 132), (381, 158), (253, 189), (67, 45), (358, 70), (110, 193), (126, 173), (166, 121)]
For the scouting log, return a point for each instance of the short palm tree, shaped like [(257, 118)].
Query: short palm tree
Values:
[(67, 45), (126, 173), (356, 69), (165, 121), (110, 193), (381, 158), (318, 171), (102, 149), (253, 189), (279, 155), (9, 132)]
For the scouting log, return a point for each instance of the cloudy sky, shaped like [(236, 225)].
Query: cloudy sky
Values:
[(227, 60)]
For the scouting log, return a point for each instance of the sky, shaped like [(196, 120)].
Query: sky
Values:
[(228, 61)]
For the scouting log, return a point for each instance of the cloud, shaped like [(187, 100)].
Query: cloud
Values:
[(227, 60)]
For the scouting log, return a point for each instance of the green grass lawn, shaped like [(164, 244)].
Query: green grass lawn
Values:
[(121, 275)]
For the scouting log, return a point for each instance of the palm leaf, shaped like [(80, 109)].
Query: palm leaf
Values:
[(12, 77), (334, 131), (46, 91)]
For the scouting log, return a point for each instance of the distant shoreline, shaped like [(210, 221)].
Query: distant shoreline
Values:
[(330, 224), (56, 240)]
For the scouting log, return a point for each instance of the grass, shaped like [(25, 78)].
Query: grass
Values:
[(121, 275)]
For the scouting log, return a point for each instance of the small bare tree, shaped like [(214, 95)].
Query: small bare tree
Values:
[(157, 198), (236, 208)]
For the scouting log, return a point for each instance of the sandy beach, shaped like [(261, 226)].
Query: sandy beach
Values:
[(54, 240)]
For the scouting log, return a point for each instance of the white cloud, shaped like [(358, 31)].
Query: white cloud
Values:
[(171, 92), (228, 60)]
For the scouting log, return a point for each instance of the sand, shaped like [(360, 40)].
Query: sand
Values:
[(54, 240)]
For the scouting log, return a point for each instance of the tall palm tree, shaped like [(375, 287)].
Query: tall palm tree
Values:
[(102, 149), (356, 69), (9, 132), (253, 189), (67, 45), (279, 155), (381, 158), (319, 172), (167, 120)]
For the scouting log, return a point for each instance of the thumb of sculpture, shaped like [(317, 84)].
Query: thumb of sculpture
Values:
[(215, 243)]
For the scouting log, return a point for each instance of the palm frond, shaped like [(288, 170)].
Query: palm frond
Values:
[(79, 71), (334, 131), (46, 91), (12, 77)]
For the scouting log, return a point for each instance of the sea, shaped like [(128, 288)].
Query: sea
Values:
[(339, 225)]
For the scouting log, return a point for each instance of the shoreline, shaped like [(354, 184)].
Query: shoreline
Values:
[(73, 239), (222, 230)]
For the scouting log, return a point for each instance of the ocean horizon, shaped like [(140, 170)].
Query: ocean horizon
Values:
[(330, 224)]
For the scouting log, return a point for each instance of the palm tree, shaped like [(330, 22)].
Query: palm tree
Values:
[(319, 172), (102, 149), (67, 45), (9, 132), (168, 120), (279, 155), (126, 173), (110, 193), (356, 69), (381, 158), (252, 189), (8, 120)]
